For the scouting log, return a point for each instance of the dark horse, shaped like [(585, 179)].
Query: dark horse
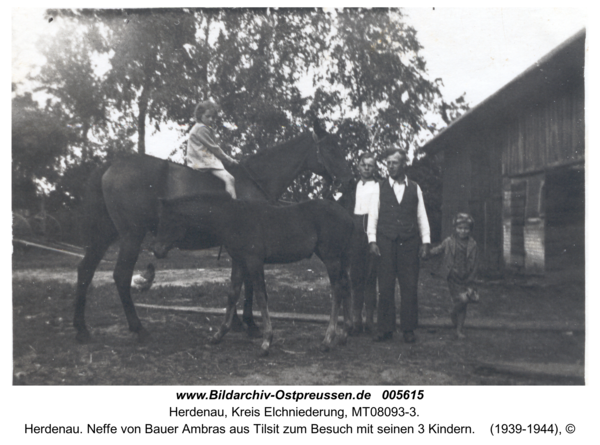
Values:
[(122, 203), (255, 233)]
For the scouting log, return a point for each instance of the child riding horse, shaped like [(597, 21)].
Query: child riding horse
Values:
[(255, 233)]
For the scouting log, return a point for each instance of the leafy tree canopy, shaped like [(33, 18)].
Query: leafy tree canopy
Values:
[(111, 73), (39, 140)]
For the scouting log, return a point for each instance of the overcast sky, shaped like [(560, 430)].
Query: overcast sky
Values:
[(478, 51), (474, 51)]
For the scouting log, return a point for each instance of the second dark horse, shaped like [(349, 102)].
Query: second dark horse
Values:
[(256, 233), (122, 202)]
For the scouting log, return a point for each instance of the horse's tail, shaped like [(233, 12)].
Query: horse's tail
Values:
[(97, 226)]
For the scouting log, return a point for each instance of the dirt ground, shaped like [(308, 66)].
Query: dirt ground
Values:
[(523, 332)]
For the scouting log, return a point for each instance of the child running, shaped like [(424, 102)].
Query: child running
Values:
[(459, 267), (203, 153)]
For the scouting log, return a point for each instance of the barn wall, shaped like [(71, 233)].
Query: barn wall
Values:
[(486, 195), (497, 173), (472, 184), (543, 136), (516, 163), (546, 133), (457, 188)]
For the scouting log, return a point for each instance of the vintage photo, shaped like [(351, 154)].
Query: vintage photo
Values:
[(307, 196)]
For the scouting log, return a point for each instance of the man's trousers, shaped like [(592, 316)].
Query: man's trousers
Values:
[(399, 260)]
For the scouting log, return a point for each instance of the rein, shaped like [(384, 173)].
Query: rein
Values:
[(256, 183), (320, 159)]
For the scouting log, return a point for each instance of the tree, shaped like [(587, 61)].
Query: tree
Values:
[(152, 71), (259, 59), (375, 79), (72, 85), (69, 187), (39, 139), (365, 75)]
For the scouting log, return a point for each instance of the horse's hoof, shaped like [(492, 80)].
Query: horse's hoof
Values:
[(254, 331), (325, 347), (143, 336), (83, 337), (264, 353), (341, 339)]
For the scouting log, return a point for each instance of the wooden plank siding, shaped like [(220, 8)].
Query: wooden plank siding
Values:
[(546, 134), (472, 178), (516, 163)]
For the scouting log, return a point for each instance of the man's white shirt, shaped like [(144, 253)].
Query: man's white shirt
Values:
[(367, 203)]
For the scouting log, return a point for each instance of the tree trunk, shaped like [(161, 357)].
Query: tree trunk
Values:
[(143, 107)]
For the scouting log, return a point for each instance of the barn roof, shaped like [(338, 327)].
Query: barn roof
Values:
[(559, 69)]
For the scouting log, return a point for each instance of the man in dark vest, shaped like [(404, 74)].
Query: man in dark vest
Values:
[(402, 237)]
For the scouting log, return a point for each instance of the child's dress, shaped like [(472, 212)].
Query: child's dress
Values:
[(459, 266), (199, 155)]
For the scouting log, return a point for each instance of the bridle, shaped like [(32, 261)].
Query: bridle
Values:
[(336, 182)]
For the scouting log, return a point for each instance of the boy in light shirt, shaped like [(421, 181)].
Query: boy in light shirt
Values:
[(364, 265)]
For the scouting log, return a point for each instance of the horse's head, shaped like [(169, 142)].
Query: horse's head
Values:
[(329, 160), (171, 228), (348, 197)]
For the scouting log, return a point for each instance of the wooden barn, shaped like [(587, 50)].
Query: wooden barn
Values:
[(516, 162)]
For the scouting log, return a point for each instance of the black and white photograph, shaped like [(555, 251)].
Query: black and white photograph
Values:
[(271, 197), (170, 166)]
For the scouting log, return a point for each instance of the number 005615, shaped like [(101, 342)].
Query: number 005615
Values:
[(400, 394)]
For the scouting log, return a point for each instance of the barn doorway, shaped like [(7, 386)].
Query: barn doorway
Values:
[(524, 224), (564, 199)]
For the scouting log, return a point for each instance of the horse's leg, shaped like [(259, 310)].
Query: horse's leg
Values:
[(347, 301), (128, 254), (236, 323), (338, 277), (85, 274), (248, 317), (334, 271), (257, 275), (237, 278), (357, 277)]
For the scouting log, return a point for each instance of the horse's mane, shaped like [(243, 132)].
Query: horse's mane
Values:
[(283, 146)]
